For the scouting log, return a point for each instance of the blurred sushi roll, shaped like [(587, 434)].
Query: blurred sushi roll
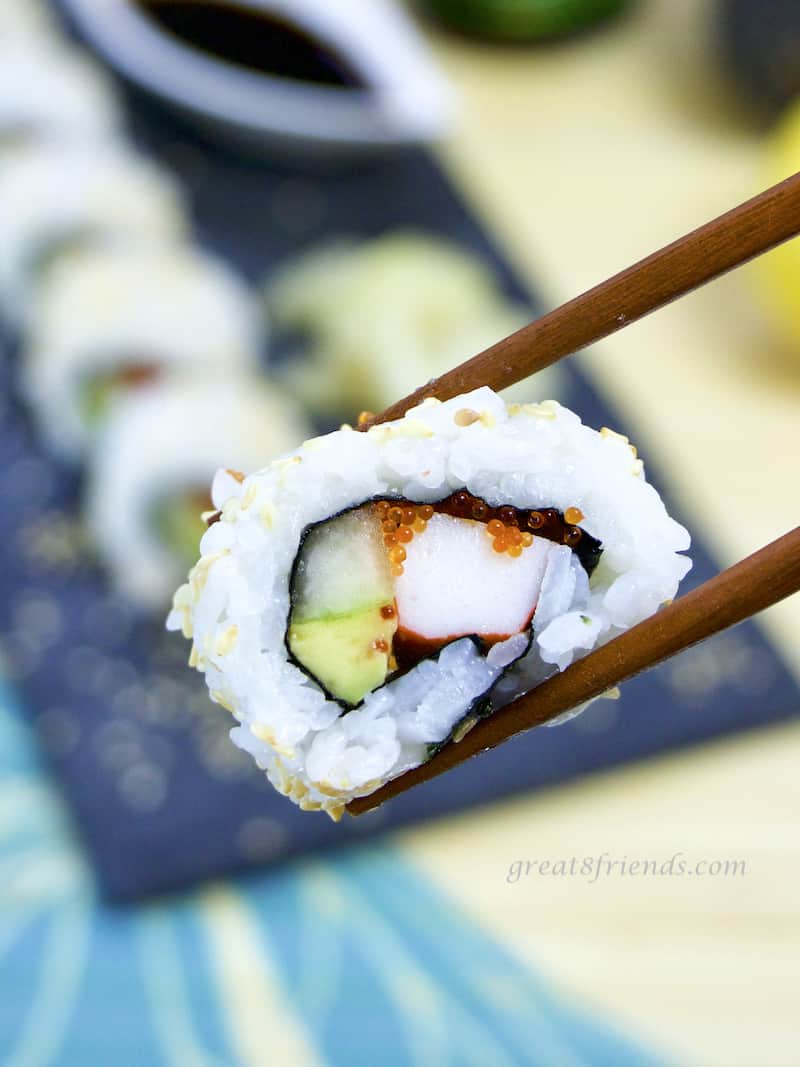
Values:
[(384, 315), (364, 600), (56, 196), (48, 88), (149, 479), (111, 319)]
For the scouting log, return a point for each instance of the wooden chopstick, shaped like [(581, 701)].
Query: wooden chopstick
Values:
[(700, 256), (760, 580)]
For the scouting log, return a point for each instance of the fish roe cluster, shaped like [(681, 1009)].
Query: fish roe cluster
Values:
[(547, 522), (465, 505), (511, 529), (572, 534), (399, 524), (507, 537)]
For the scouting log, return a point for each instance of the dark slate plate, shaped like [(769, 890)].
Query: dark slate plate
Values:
[(161, 796)]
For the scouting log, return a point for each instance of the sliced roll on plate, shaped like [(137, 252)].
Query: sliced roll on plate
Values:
[(381, 316), (48, 88), (109, 320), (149, 477), (366, 598), (56, 197)]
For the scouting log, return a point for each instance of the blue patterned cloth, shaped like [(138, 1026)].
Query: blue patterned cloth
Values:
[(352, 961)]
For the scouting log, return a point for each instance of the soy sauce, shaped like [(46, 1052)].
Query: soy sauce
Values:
[(255, 40)]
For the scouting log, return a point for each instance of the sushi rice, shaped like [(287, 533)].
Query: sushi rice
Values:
[(237, 604), (136, 466), (57, 196), (104, 311)]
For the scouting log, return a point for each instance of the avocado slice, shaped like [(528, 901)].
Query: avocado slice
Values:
[(343, 618), (348, 654)]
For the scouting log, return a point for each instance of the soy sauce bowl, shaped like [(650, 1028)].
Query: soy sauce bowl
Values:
[(391, 94)]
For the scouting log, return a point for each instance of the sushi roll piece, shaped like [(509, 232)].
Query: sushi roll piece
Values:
[(109, 320), (381, 316), (46, 87), (56, 197), (366, 598), (148, 480)]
